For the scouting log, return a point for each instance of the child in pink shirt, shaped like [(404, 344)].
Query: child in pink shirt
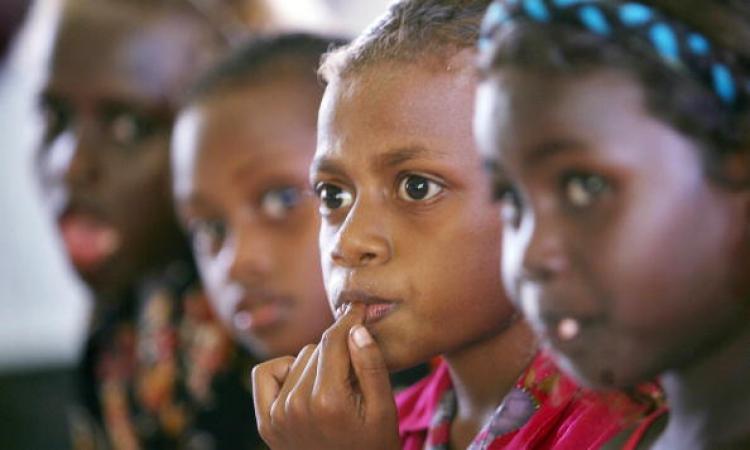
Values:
[(410, 244)]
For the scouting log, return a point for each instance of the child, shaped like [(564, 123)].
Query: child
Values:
[(117, 71), (241, 153), (409, 243), (617, 136)]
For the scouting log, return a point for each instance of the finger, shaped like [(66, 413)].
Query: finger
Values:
[(268, 378), (298, 401), (279, 404), (371, 372), (334, 366)]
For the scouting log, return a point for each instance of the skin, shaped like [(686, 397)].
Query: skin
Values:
[(115, 76), (611, 220), (240, 164), (399, 265)]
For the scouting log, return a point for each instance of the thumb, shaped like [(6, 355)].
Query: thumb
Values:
[(372, 373)]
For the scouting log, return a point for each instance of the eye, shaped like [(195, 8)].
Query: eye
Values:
[(510, 204), (208, 235), (56, 117), (332, 197), (416, 188), (582, 190), (127, 128), (277, 203)]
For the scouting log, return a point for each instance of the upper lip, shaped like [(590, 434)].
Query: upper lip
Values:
[(360, 296), (552, 307), (254, 297), (78, 205)]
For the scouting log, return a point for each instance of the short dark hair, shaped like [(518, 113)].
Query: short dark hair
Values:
[(265, 58), (411, 30)]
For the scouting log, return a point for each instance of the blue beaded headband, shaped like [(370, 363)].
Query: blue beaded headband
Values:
[(673, 42)]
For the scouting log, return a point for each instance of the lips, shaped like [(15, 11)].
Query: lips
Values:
[(560, 319), (376, 307), (89, 241), (259, 312)]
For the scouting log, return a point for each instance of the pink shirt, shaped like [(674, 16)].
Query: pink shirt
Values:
[(566, 417)]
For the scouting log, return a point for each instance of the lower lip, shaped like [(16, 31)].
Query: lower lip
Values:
[(569, 336), (88, 241), (258, 319), (377, 311)]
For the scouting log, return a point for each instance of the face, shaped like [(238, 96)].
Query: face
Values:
[(109, 102), (240, 166), (408, 226), (620, 251)]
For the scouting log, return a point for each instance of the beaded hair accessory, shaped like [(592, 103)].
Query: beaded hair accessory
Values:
[(633, 23)]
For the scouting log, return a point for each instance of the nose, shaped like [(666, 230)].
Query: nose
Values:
[(362, 239), (250, 253), (83, 169), (544, 256)]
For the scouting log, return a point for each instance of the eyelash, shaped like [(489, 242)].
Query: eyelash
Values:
[(434, 188), (344, 195)]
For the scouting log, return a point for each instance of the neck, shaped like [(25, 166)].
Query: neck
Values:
[(710, 400), (484, 373)]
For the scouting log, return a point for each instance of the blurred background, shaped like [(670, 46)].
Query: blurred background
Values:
[(43, 308)]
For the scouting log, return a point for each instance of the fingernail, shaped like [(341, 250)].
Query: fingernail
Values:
[(361, 336)]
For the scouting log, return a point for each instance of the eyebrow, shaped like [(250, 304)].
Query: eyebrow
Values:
[(549, 149), (401, 155), (386, 160), (326, 165)]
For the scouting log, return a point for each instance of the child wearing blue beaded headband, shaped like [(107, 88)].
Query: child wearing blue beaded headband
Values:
[(617, 135)]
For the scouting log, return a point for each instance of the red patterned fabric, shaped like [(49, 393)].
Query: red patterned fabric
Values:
[(643, 427), (563, 416)]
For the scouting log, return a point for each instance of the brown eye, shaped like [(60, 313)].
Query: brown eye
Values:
[(333, 197), (416, 188)]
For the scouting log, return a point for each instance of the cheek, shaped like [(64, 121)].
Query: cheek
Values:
[(213, 272), (302, 265), (663, 259), (468, 277), (326, 241), (510, 262), (142, 175), (55, 159)]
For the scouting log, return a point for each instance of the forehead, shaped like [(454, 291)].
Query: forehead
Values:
[(266, 126), (112, 48), (266, 112), (519, 109), (398, 105)]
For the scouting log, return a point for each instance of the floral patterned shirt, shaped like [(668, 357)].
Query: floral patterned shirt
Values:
[(161, 373)]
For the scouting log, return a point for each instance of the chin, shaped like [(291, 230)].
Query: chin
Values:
[(597, 375)]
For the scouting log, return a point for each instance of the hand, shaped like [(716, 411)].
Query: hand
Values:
[(334, 395)]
